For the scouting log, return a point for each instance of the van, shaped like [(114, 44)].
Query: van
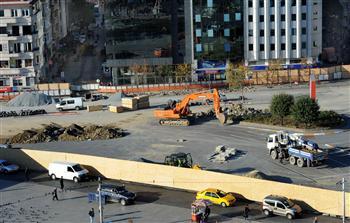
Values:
[(282, 206), (68, 171), (70, 103)]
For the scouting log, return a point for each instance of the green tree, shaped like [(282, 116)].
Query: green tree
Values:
[(281, 106), (305, 110), (235, 76), (183, 71)]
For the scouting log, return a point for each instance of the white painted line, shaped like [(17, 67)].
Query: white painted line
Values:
[(261, 129), (319, 134)]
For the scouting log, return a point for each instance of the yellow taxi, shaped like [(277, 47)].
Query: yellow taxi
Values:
[(217, 196)]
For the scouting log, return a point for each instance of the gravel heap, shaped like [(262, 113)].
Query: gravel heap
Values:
[(74, 132), (29, 99), (222, 154)]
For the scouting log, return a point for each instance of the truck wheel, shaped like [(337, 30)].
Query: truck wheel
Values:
[(289, 216), (300, 162), (53, 177), (292, 160), (123, 202), (274, 154)]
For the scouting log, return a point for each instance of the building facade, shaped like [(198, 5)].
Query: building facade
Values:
[(16, 44), (288, 30)]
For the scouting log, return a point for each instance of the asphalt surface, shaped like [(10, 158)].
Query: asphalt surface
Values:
[(33, 203)]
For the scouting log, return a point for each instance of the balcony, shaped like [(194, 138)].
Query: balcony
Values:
[(16, 20), (27, 71)]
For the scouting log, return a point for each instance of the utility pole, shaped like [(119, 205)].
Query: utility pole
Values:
[(342, 182), (100, 208)]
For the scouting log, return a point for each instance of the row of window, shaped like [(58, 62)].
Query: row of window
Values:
[(272, 17), (283, 32), (16, 47), (283, 46), (210, 33), (210, 47), (16, 63), (15, 30), (16, 12), (272, 3), (238, 17)]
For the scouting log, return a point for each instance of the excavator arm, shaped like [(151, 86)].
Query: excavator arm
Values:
[(182, 110)]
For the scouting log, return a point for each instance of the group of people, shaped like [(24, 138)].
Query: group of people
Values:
[(54, 193)]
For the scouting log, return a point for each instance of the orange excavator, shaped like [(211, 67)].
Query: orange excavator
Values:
[(180, 114)]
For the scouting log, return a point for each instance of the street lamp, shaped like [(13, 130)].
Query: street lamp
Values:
[(342, 182), (100, 200)]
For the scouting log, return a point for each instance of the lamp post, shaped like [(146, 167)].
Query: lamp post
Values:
[(100, 208)]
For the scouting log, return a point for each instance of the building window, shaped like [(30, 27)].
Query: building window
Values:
[(226, 17), (294, 2), (272, 3), (262, 47), (315, 28), (250, 32), (294, 17), (303, 31), (210, 33), (16, 48), (210, 3), (27, 47), (283, 17), (199, 47), (250, 18), (28, 62), (283, 3), (251, 47), (272, 32), (303, 45), (4, 64), (198, 18), (261, 3), (17, 82), (14, 13), (294, 31), (3, 30), (250, 3), (303, 2), (27, 30), (303, 16), (262, 32), (227, 32), (261, 18), (0, 47), (238, 16), (314, 44), (227, 47), (283, 46), (283, 32), (272, 18), (198, 32), (15, 63), (272, 47), (2, 13), (25, 12), (294, 46)]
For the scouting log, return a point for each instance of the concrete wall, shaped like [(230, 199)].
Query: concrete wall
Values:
[(325, 201)]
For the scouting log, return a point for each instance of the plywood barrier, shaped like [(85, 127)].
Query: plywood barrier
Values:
[(324, 201), (92, 108)]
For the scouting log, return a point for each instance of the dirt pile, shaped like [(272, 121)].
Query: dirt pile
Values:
[(240, 110), (256, 174), (222, 154), (74, 132), (30, 99)]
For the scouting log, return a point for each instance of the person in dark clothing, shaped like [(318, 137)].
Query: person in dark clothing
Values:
[(61, 184), (206, 213), (54, 193), (26, 174), (92, 215), (246, 212), (281, 156)]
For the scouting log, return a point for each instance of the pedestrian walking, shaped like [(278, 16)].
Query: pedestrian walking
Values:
[(26, 174), (54, 195), (61, 184), (281, 156), (92, 215), (315, 220), (246, 212)]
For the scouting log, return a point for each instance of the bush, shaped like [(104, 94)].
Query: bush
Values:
[(329, 119), (305, 110), (281, 105)]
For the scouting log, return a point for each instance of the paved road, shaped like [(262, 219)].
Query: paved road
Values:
[(33, 204)]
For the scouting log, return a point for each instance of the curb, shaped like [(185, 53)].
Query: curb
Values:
[(304, 132)]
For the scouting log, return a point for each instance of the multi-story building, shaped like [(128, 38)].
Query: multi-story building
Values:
[(16, 44), (288, 30), (214, 34)]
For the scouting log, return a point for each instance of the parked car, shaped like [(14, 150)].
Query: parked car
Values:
[(282, 206), (217, 196), (5, 146), (69, 171), (119, 194), (7, 167), (70, 103)]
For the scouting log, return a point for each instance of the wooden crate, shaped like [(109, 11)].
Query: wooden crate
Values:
[(92, 108), (116, 109), (130, 103), (143, 105)]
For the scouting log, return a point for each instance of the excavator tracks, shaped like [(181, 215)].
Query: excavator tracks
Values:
[(174, 122)]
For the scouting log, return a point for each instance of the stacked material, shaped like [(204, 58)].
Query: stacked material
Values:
[(130, 103), (92, 108), (138, 102), (116, 109), (142, 101)]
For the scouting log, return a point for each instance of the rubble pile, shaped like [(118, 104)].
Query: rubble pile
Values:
[(222, 154), (256, 174), (74, 132), (239, 110)]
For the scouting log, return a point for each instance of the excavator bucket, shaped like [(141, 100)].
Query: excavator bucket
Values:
[(222, 117)]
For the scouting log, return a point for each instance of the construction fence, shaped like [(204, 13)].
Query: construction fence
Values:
[(321, 200)]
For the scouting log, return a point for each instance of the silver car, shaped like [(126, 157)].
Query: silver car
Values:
[(282, 206), (7, 167)]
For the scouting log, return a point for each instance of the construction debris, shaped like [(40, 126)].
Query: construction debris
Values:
[(239, 110), (74, 132), (256, 174), (222, 154)]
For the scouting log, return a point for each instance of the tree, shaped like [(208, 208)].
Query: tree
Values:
[(305, 110), (281, 106), (183, 71), (274, 66), (236, 75)]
